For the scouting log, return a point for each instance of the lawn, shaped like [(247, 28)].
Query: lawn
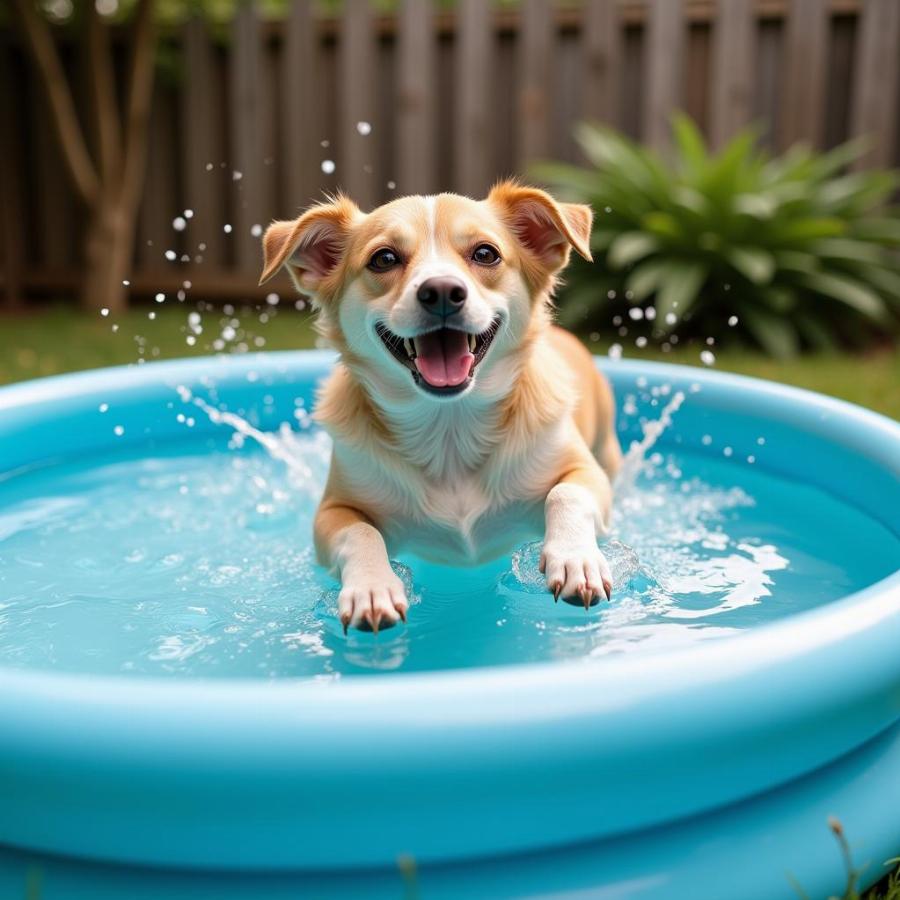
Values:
[(62, 340)]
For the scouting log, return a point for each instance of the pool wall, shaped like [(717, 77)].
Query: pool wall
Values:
[(291, 775)]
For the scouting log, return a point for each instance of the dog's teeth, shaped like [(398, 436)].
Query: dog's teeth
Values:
[(410, 347), (472, 341)]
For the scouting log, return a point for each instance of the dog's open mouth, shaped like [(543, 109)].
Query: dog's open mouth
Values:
[(442, 361)]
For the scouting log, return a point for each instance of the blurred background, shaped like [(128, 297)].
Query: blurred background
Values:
[(740, 156)]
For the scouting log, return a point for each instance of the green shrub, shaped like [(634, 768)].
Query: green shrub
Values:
[(803, 253)]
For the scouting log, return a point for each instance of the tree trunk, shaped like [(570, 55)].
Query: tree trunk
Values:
[(109, 244)]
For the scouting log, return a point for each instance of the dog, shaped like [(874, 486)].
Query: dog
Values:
[(464, 422)]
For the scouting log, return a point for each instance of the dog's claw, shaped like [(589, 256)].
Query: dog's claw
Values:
[(556, 587), (587, 594), (608, 588)]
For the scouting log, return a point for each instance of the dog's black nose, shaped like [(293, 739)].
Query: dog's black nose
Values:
[(443, 295)]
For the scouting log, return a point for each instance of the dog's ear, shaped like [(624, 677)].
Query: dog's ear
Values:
[(312, 246), (545, 228)]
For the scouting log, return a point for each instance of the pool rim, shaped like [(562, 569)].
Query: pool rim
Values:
[(866, 622)]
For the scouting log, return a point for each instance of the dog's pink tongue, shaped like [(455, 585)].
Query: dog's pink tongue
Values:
[(443, 358)]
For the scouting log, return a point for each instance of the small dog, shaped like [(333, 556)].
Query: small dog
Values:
[(463, 421)]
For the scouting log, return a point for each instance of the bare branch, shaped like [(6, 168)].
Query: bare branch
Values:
[(65, 120), (140, 95), (103, 86)]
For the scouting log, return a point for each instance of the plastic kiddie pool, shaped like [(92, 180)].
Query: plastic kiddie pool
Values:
[(702, 771)]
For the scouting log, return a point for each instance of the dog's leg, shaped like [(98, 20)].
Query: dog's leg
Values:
[(371, 594), (577, 510)]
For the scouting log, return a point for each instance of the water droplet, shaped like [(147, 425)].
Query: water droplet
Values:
[(610, 295), (707, 357), (209, 167), (615, 351), (236, 176), (179, 223), (171, 255), (103, 407), (328, 166), (272, 299), (650, 313), (104, 312), (126, 282), (391, 185), (118, 431), (727, 451), (640, 342), (151, 315), (732, 321), (226, 229), (635, 313), (256, 230), (364, 128), (160, 297), (671, 318)]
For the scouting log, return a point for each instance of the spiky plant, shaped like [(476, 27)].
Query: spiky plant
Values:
[(801, 251)]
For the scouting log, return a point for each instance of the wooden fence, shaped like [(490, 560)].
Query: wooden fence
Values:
[(248, 125)]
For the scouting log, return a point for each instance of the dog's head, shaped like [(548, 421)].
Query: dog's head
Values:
[(430, 294)]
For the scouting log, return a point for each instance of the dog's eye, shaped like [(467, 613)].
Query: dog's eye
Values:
[(383, 259), (486, 255)]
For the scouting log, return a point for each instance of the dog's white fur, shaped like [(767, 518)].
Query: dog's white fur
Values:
[(530, 441)]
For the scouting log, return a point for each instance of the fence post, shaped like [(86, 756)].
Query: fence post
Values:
[(535, 74), (417, 52), (802, 114), (664, 51), (472, 149), (357, 76), (602, 59), (201, 124), (246, 138), (876, 81), (734, 62), (12, 222), (299, 101)]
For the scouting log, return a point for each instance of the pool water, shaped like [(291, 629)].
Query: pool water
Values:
[(193, 558)]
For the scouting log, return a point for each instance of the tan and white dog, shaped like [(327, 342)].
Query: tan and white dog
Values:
[(463, 421)]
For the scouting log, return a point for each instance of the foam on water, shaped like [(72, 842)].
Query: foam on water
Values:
[(196, 560)]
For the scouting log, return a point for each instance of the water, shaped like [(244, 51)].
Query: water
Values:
[(196, 561)]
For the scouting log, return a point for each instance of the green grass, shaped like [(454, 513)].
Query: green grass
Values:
[(62, 340)]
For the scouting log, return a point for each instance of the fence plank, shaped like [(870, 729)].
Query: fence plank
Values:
[(201, 123), (159, 204), (663, 63), (536, 82), (602, 61), (357, 92), (733, 75), (299, 154), (416, 91), (876, 82), (802, 113), (12, 219), (246, 139), (472, 148)]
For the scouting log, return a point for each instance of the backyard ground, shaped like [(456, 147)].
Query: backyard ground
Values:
[(59, 339)]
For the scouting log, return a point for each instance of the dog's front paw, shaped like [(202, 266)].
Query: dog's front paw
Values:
[(370, 603), (578, 574)]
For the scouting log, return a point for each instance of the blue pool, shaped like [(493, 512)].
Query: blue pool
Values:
[(178, 700)]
